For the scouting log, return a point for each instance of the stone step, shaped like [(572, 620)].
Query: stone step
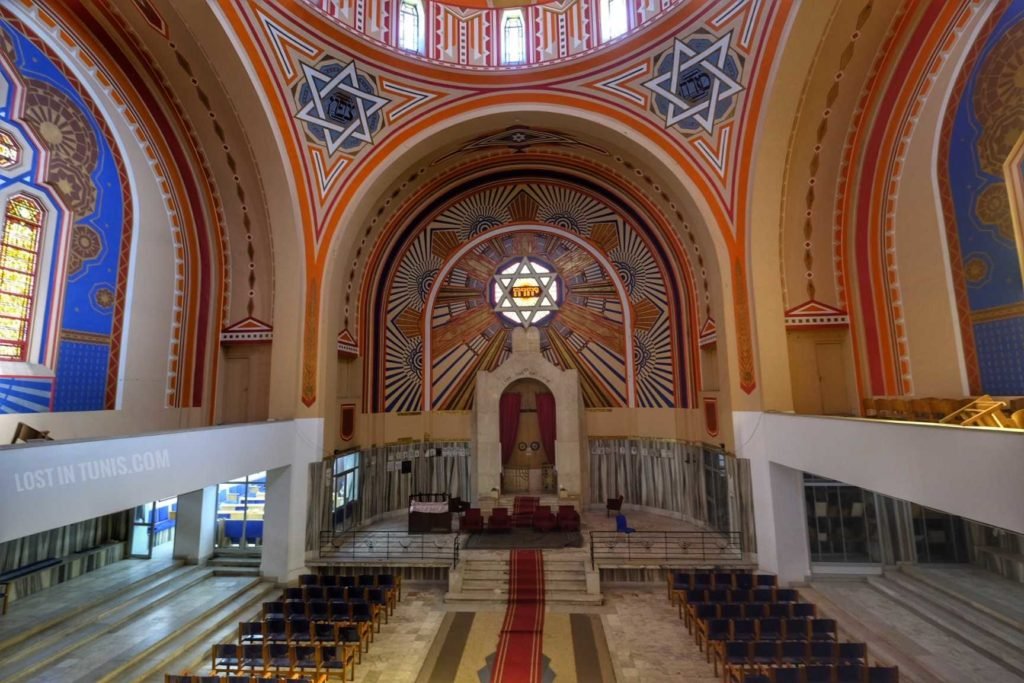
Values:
[(501, 596), (171, 654), (232, 561), (980, 589), (86, 626), (886, 648), (473, 584), (131, 643), (229, 570), (987, 636), (92, 582)]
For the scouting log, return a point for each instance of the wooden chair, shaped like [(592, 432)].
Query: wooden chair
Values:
[(984, 411), (901, 409), (868, 407), (613, 505), (921, 409)]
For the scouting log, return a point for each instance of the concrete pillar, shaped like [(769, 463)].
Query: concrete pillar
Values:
[(284, 521), (778, 493), (195, 525)]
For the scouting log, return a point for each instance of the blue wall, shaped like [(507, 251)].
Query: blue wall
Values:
[(94, 191)]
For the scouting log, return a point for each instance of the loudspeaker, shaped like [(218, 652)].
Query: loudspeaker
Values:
[(407, 467)]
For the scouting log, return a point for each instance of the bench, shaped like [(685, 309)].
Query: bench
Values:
[(7, 577)]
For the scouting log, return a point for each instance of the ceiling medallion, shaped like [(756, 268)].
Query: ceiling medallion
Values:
[(526, 292)]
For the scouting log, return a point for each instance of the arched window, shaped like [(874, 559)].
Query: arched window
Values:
[(409, 26), (513, 38), (614, 18), (10, 153), (19, 261)]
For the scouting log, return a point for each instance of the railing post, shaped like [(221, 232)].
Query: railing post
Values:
[(387, 546), (666, 547), (629, 548), (593, 564)]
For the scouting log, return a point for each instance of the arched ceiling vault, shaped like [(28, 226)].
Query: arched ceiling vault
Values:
[(387, 103), (524, 176)]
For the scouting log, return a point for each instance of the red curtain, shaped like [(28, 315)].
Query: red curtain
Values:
[(508, 409), (548, 428)]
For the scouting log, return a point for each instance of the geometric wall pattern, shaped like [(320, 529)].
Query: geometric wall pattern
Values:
[(987, 120), (618, 320), (84, 180)]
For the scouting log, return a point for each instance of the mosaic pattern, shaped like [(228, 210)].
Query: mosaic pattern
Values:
[(339, 106), (85, 173), (696, 83), (439, 319), (984, 123)]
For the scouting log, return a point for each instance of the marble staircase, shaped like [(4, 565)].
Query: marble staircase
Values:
[(482, 577), (934, 630), (136, 630)]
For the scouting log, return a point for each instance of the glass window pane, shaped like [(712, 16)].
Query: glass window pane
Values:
[(9, 151)]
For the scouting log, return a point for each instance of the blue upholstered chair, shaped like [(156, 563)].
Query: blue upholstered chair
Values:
[(621, 526)]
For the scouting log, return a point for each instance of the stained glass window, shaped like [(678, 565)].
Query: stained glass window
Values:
[(9, 151), (514, 40), (525, 292), (409, 26), (19, 257), (614, 18)]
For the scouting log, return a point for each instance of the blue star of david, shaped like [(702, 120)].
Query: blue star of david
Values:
[(708, 67), (339, 106), (534, 274)]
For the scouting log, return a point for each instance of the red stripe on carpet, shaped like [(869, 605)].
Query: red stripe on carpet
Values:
[(518, 657)]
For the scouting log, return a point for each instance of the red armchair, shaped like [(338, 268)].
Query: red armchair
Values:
[(543, 520), (472, 520), (568, 518), (499, 520)]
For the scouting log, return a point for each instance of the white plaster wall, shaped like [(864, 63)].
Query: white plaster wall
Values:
[(975, 473), (50, 484), (142, 405)]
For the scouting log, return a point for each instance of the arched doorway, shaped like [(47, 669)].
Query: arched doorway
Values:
[(527, 430), (527, 370)]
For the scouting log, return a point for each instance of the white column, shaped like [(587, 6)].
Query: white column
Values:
[(778, 493), (284, 521), (195, 525)]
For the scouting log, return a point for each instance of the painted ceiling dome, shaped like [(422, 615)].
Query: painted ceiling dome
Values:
[(494, 33)]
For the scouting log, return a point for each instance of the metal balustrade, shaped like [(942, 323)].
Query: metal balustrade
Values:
[(391, 547), (673, 548)]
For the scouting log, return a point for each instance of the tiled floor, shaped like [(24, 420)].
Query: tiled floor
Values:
[(646, 639)]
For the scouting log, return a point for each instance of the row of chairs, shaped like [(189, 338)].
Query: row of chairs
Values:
[(746, 654), (389, 582), (378, 596), (822, 673), (300, 631), (284, 659), (335, 610), (678, 582), (714, 632), (703, 611), (186, 678), (757, 630)]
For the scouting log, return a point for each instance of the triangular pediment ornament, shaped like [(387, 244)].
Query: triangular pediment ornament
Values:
[(814, 313), (247, 331)]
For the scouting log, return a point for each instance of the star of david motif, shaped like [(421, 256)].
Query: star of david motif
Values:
[(525, 310), (340, 105), (696, 83)]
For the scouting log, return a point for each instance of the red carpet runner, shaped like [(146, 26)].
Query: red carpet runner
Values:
[(519, 646)]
